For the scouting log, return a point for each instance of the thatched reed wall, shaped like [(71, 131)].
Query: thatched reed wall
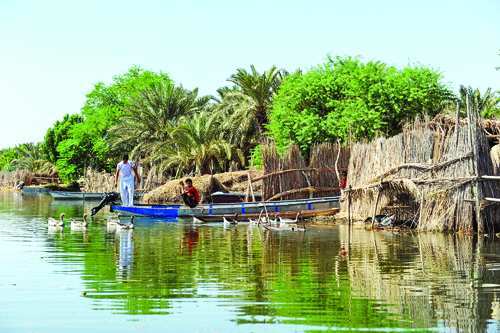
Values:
[(315, 176), (432, 170), (12, 178), (98, 182)]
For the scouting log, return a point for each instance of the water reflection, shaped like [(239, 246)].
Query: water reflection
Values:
[(125, 253), (261, 280)]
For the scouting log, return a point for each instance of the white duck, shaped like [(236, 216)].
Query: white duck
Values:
[(284, 220), (267, 220), (52, 222), (257, 221), (76, 224), (113, 220), (126, 226)]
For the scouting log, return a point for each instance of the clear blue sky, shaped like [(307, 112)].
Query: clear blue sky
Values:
[(53, 51)]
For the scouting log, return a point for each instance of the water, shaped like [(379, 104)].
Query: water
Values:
[(175, 277)]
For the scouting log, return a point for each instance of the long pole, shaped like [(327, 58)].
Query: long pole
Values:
[(349, 215)]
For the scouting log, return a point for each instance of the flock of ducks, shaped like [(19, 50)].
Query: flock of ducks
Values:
[(274, 224), (113, 222)]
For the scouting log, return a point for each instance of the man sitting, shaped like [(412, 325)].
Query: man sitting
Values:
[(190, 195)]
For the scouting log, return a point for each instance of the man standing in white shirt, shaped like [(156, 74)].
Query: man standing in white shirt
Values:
[(127, 172)]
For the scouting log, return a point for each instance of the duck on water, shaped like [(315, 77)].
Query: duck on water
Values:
[(52, 222)]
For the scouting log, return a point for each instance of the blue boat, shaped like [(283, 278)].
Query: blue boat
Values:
[(242, 208)]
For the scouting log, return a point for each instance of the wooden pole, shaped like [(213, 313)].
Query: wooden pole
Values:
[(349, 215), (251, 187), (472, 122), (337, 162), (457, 123), (379, 194)]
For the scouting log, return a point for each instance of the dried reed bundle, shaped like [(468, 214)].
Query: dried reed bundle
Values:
[(206, 184), (95, 181), (12, 178)]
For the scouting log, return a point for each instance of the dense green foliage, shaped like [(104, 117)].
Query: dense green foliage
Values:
[(58, 133), (7, 156), (26, 156), (87, 143), (488, 102), (174, 131), (346, 97)]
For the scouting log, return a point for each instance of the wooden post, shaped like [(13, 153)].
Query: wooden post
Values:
[(247, 192), (457, 123), (337, 162), (379, 194), (472, 131), (349, 215), (251, 186)]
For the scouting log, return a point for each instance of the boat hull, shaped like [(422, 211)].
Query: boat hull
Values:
[(90, 196), (243, 208)]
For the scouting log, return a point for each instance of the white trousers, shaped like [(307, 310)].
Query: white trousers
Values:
[(127, 190)]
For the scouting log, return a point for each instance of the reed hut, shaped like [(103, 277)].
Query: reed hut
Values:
[(437, 176), (292, 176)]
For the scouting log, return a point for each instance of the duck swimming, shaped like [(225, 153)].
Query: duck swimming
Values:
[(52, 222), (75, 224), (382, 220), (125, 226)]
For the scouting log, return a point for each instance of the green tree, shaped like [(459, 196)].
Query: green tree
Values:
[(346, 97), (89, 141), (30, 157), (198, 146), (149, 119), (56, 134), (7, 156), (240, 126), (488, 103), (260, 88)]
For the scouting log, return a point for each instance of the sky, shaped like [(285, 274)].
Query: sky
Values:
[(52, 52)]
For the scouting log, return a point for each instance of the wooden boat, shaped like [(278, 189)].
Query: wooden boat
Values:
[(231, 197), (34, 190), (90, 196), (285, 208), (272, 215)]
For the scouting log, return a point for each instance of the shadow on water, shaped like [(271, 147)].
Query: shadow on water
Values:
[(262, 279)]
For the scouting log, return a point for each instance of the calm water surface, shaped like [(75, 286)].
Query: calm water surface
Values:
[(176, 277)]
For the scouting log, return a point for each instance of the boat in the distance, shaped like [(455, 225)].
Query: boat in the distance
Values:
[(90, 196), (243, 209)]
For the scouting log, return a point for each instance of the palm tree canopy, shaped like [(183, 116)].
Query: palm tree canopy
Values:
[(153, 114), (260, 88)]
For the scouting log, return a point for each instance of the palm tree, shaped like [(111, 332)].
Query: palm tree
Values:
[(152, 116), (197, 145), (239, 125), (488, 103), (31, 158), (260, 88)]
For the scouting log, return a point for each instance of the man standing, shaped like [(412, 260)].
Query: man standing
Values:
[(128, 176)]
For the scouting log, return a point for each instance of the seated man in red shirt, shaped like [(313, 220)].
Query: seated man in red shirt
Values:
[(190, 196)]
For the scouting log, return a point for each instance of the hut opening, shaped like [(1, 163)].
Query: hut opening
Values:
[(438, 175)]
